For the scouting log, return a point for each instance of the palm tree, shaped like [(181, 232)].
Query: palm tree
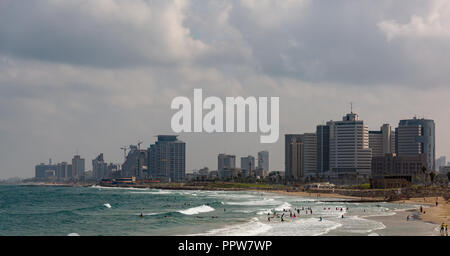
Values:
[(432, 176), (424, 171)]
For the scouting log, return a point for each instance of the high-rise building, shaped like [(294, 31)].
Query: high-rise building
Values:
[(382, 142), (78, 167), (300, 155), (135, 164), (293, 152), (167, 159), (248, 163), (349, 146), (44, 171), (225, 161), (99, 167), (62, 171), (323, 148), (416, 136), (263, 160), (441, 161), (310, 154)]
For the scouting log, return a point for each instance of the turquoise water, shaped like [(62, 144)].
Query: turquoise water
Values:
[(60, 211)]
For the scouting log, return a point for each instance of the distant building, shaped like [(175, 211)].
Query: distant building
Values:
[(229, 173), (248, 163), (391, 165), (293, 153), (444, 170), (44, 171), (167, 159), (441, 161), (349, 146), (135, 164), (417, 136), (62, 171), (383, 141), (213, 175), (113, 171), (225, 161), (100, 168), (260, 172), (309, 154), (323, 148), (78, 167), (300, 155), (204, 171), (263, 160)]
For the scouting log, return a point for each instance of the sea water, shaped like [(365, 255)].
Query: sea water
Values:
[(104, 211)]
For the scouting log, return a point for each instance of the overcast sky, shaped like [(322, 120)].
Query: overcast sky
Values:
[(91, 76)]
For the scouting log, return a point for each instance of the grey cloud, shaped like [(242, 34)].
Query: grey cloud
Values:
[(95, 75)]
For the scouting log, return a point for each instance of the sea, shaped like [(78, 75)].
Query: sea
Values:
[(104, 211)]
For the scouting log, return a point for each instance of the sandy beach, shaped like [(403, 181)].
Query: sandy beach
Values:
[(435, 214), (426, 223)]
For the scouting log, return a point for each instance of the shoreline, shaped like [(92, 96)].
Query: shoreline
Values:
[(425, 224), (433, 214)]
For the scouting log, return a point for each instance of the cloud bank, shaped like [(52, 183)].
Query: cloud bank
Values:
[(91, 76)]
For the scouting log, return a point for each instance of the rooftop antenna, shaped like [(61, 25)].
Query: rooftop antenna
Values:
[(351, 107), (139, 144)]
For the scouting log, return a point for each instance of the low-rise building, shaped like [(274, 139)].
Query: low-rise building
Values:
[(391, 165)]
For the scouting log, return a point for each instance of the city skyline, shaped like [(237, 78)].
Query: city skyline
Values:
[(93, 91), (377, 142)]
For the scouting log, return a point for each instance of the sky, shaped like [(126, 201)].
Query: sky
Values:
[(88, 77)]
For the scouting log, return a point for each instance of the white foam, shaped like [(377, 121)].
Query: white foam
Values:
[(264, 211), (197, 210), (265, 201), (151, 213), (356, 224), (73, 234), (107, 205), (118, 188), (251, 228), (285, 205), (302, 227), (158, 192)]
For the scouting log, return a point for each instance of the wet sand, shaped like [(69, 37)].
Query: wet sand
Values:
[(432, 213), (397, 225), (321, 195)]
